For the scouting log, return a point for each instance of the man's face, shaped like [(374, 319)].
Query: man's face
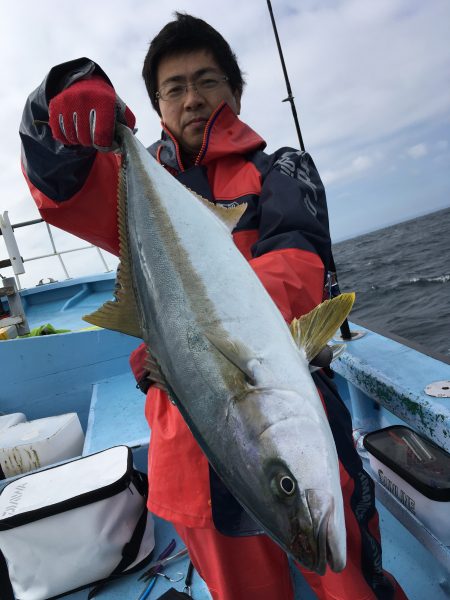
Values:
[(186, 116)]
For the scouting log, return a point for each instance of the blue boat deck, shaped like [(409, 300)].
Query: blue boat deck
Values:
[(64, 303), (116, 415)]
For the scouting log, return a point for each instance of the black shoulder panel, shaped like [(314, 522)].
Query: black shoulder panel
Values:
[(292, 207)]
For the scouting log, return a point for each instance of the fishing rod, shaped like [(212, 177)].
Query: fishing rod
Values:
[(290, 97), (345, 329)]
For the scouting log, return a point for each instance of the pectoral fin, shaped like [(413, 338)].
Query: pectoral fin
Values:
[(235, 352), (122, 313), (313, 331)]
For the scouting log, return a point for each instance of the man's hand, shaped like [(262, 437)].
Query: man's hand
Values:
[(86, 112)]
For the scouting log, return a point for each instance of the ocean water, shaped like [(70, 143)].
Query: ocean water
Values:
[(401, 276)]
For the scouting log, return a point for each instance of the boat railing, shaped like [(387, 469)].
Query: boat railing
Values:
[(16, 261)]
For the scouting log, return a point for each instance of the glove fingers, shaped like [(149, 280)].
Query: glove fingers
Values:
[(82, 128), (85, 114), (63, 128), (90, 130), (67, 129), (101, 126)]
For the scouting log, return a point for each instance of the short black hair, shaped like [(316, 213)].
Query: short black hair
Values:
[(187, 34)]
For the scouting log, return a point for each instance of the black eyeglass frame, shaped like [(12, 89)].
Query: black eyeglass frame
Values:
[(222, 78)]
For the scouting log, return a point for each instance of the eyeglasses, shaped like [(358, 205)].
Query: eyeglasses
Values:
[(173, 91)]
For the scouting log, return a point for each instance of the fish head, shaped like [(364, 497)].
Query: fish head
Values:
[(299, 500), (307, 523)]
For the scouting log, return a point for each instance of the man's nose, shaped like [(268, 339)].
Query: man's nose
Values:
[(192, 98)]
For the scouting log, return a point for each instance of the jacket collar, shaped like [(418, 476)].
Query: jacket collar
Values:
[(225, 134)]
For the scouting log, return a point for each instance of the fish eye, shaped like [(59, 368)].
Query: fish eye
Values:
[(283, 486), (287, 485)]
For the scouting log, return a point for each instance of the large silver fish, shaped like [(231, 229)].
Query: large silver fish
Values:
[(221, 348)]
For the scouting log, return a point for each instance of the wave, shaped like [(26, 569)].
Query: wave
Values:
[(439, 279), (402, 279)]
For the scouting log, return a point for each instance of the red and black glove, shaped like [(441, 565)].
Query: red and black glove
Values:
[(86, 113)]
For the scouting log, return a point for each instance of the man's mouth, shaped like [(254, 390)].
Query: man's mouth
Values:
[(198, 121)]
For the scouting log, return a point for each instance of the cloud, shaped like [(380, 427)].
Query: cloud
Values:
[(417, 151), (361, 163), (367, 79), (349, 170)]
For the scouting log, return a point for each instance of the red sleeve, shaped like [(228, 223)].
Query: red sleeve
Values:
[(91, 213), (137, 363), (294, 279)]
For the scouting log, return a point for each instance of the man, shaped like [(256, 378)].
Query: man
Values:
[(195, 85)]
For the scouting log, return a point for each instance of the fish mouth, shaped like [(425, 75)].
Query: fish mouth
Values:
[(311, 545)]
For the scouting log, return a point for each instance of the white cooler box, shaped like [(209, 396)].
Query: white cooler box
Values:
[(73, 525), (31, 445), (417, 472)]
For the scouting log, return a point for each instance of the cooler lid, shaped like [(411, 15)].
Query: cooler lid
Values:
[(30, 432), (7, 421), (65, 486), (417, 460)]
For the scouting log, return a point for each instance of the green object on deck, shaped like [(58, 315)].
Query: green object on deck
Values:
[(46, 329)]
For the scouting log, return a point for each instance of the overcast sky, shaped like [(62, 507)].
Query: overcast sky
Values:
[(371, 81)]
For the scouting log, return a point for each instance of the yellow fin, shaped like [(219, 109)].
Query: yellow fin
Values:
[(122, 313), (229, 216), (155, 375), (312, 331)]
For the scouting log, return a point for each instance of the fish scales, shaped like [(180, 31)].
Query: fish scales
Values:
[(230, 362)]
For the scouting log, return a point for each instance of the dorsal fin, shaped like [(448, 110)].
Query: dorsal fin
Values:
[(122, 313), (229, 216), (313, 331)]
